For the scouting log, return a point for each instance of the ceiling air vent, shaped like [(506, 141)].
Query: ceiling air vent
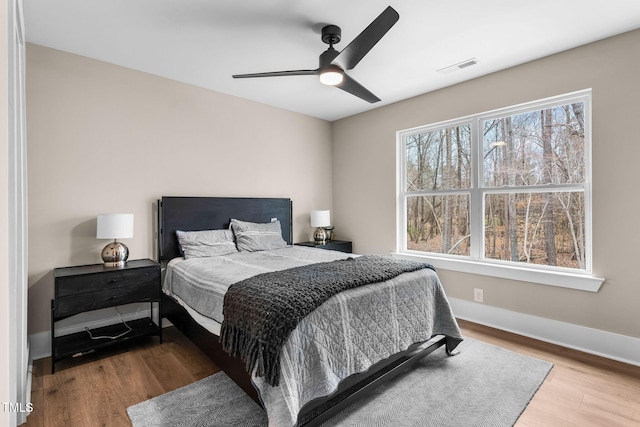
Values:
[(458, 66)]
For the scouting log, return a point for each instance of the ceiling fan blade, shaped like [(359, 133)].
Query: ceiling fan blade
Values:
[(364, 42), (277, 74), (349, 84)]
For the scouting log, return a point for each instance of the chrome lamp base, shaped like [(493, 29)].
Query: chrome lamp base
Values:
[(320, 236), (115, 254)]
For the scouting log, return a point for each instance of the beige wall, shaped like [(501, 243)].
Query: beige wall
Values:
[(364, 176), (102, 138)]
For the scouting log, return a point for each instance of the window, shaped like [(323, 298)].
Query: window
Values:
[(438, 189), (509, 187)]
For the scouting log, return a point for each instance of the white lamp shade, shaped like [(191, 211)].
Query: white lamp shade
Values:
[(320, 218), (114, 226)]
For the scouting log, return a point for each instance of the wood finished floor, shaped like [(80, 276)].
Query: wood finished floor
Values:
[(95, 390)]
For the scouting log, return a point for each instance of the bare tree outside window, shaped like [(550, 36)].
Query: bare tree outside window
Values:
[(439, 162)]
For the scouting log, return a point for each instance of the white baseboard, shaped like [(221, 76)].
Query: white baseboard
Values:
[(594, 341), (40, 344), (21, 417)]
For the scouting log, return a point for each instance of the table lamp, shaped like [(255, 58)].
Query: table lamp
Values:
[(320, 219), (115, 226)]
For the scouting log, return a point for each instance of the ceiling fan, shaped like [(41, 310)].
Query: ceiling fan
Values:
[(333, 63)]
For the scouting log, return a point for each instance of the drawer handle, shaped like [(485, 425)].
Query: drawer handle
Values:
[(113, 280)]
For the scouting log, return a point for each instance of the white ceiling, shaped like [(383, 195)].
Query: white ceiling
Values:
[(204, 42)]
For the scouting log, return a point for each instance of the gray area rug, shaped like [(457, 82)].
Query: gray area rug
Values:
[(482, 386)]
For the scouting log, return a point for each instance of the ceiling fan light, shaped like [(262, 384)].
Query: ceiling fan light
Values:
[(331, 77)]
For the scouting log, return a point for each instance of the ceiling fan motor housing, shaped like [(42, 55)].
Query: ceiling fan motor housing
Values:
[(327, 57)]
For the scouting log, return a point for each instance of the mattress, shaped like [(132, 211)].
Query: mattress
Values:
[(347, 334)]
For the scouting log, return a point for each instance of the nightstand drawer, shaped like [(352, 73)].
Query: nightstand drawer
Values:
[(89, 283), (112, 294), (337, 246), (333, 245)]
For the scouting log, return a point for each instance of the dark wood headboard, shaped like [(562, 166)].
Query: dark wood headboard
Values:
[(212, 213)]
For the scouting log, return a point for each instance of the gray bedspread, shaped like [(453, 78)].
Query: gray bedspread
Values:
[(260, 312), (347, 334)]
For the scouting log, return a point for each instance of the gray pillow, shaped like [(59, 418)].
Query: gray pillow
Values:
[(206, 243), (253, 236)]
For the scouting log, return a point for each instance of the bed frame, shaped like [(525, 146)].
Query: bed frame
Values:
[(207, 213)]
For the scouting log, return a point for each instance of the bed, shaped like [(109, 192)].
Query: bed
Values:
[(354, 340)]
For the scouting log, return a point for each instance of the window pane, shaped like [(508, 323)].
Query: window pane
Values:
[(535, 148), (438, 224), (536, 228), (439, 159)]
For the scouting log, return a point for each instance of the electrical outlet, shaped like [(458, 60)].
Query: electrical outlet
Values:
[(478, 295)]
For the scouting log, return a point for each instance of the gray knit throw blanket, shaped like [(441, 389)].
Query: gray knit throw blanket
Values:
[(261, 311)]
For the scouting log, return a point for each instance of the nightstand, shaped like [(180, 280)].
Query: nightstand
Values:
[(334, 245), (92, 287)]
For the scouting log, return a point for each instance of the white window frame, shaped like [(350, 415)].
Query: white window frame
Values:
[(582, 279)]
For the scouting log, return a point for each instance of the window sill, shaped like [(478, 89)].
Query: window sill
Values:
[(562, 279)]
